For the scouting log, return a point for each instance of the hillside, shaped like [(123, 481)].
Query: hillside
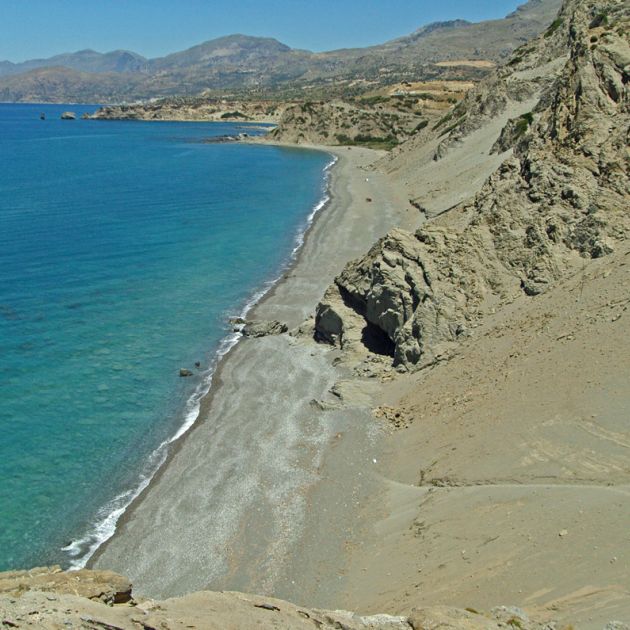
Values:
[(505, 472), (561, 175), (245, 65)]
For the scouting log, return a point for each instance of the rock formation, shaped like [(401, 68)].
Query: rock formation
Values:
[(560, 199), (340, 123), (50, 598), (263, 328)]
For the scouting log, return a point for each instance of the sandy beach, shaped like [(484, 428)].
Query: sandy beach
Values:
[(275, 467), (489, 489)]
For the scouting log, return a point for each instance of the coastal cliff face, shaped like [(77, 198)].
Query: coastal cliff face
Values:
[(339, 123), (50, 598), (560, 197)]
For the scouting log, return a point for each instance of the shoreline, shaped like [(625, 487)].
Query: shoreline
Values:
[(312, 446), (114, 513)]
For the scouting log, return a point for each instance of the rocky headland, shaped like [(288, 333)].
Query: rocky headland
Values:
[(195, 109)]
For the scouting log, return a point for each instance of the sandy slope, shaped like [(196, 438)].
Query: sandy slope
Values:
[(511, 483)]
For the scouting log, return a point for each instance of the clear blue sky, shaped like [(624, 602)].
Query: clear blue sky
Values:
[(41, 28)]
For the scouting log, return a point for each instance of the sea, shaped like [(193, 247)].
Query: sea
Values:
[(126, 247)]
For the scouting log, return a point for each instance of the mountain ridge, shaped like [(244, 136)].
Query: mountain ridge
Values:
[(241, 62)]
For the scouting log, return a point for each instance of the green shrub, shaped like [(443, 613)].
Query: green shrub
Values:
[(601, 19), (454, 126), (233, 115), (420, 126), (523, 123), (373, 100), (443, 120), (343, 139), (553, 27), (372, 142)]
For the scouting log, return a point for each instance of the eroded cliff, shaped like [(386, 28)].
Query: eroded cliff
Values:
[(560, 197)]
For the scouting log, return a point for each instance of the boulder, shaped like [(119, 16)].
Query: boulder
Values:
[(264, 328), (68, 116)]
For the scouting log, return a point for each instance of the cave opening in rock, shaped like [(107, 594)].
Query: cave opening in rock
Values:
[(376, 340)]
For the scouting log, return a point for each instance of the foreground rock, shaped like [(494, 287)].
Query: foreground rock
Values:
[(560, 200), (103, 586), (50, 598)]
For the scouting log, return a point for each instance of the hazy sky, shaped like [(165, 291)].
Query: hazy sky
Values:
[(41, 28)]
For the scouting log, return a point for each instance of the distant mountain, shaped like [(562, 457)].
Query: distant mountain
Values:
[(237, 50), (435, 26), (82, 61), (243, 63), (492, 40)]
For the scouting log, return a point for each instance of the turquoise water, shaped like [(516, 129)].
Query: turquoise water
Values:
[(124, 248)]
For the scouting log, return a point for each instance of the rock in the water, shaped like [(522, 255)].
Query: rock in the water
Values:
[(183, 372), (264, 328), (68, 116)]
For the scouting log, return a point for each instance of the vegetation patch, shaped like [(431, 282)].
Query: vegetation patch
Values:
[(364, 140), (444, 120), (601, 19), (523, 123), (233, 115), (420, 126), (553, 27), (454, 126), (373, 100)]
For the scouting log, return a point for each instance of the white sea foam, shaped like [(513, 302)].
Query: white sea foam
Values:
[(106, 519)]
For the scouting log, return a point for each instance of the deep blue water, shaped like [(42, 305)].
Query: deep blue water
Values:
[(124, 248)]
